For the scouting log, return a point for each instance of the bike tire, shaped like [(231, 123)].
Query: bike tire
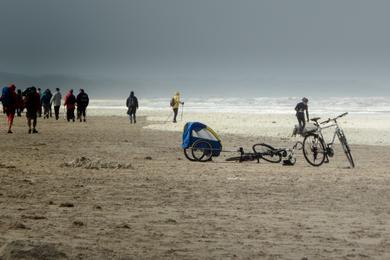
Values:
[(267, 153), (201, 151), (313, 145), (188, 154), (346, 148)]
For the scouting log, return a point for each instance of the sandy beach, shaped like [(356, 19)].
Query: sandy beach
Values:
[(110, 190)]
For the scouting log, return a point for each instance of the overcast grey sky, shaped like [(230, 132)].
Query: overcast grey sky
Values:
[(241, 47)]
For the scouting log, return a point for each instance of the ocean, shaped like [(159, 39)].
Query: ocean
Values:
[(368, 121), (259, 105)]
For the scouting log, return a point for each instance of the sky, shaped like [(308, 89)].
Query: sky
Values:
[(201, 47)]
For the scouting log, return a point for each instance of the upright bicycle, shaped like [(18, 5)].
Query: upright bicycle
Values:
[(316, 151)]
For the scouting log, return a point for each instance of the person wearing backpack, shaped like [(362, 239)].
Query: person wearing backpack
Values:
[(70, 104), (132, 106), (8, 98), (175, 103), (45, 101), (82, 103), (32, 103)]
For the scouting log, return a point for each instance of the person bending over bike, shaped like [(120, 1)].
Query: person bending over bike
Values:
[(300, 108)]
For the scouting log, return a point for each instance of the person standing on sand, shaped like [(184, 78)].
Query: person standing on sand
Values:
[(33, 105), (19, 103), (82, 103), (300, 109), (56, 101), (45, 101), (175, 103), (132, 106), (70, 104), (9, 100)]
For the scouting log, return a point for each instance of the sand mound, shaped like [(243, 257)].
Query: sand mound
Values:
[(87, 163), (23, 250)]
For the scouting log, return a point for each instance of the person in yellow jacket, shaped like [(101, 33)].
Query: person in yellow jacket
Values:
[(175, 103)]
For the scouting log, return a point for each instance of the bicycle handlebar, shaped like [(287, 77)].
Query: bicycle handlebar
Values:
[(334, 119)]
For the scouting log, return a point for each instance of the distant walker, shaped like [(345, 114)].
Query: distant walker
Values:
[(132, 106), (175, 103)]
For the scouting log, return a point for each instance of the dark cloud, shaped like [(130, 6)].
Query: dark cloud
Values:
[(232, 47)]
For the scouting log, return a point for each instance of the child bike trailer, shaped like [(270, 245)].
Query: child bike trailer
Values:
[(200, 142)]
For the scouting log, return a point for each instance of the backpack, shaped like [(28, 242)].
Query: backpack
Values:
[(172, 104), (83, 99), (132, 102), (5, 96), (30, 94)]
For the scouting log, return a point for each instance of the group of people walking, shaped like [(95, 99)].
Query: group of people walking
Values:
[(14, 102), (37, 103)]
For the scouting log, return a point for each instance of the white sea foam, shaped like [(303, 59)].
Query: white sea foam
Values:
[(261, 105), (367, 123)]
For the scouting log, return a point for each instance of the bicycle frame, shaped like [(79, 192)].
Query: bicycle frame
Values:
[(336, 131)]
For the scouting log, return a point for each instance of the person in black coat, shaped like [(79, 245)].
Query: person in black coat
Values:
[(300, 109), (82, 101), (132, 106)]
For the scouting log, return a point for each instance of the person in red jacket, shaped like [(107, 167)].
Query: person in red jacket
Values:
[(70, 104), (32, 105), (9, 105)]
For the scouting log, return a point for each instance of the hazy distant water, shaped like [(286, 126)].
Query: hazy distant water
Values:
[(261, 105)]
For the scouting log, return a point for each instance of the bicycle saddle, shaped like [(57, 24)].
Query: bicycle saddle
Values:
[(315, 119)]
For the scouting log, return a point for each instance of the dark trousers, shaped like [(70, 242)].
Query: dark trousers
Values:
[(57, 111), (132, 111), (70, 114), (175, 111), (46, 111), (81, 111), (301, 121)]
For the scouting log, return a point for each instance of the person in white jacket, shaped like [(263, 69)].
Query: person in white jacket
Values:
[(56, 101)]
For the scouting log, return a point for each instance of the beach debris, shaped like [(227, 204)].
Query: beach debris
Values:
[(32, 250), (87, 163), (2, 165), (67, 205), (148, 158), (171, 221), (124, 226), (97, 207), (34, 217), (19, 225), (78, 223)]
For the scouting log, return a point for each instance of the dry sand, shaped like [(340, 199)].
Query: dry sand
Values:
[(110, 190)]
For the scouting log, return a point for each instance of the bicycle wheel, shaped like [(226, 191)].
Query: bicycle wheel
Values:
[(347, 150), (188, 155), (202, 151), (314, 149), (267, 152)]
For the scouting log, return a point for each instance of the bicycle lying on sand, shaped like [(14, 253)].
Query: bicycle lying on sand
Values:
[(201, 144), (268, 153), (316, 151)]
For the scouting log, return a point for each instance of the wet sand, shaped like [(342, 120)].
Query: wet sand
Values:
[(110, 190)]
